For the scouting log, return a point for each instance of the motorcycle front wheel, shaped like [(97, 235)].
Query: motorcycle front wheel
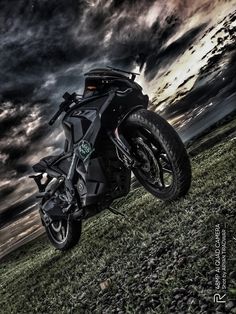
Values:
[(163, 164)]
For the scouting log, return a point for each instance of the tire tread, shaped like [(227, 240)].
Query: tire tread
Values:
[(173, 145)]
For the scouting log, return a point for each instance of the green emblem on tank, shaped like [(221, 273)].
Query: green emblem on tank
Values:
[(85, 149)]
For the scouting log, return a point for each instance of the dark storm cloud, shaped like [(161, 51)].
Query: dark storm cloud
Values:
[(19, 124), (218, 89), (47, 45), (16, 209), (171, 52), (45, 48), (22, 141), (43, 38), (36, 40)]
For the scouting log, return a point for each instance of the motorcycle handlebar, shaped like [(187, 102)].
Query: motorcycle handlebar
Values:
[(69, 99), (55, 117)]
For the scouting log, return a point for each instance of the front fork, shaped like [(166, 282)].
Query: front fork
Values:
[(124, 152)]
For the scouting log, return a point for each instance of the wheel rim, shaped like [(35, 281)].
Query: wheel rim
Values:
[(59, 230), (155, 166)]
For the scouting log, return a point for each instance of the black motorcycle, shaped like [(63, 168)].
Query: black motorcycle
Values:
[(109, 134)]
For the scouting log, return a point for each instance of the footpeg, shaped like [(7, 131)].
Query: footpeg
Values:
[(43, 195)]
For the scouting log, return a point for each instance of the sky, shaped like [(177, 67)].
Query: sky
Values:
[(184, 50)]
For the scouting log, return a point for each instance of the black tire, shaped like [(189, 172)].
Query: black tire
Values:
[(72, 236), (64, 233), (72, 232), (169, 141)]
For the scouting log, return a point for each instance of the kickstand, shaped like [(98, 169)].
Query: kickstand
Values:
[(115, 211)]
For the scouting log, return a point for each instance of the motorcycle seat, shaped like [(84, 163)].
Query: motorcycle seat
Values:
[(46, 162)]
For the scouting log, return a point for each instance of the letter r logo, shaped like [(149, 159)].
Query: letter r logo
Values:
[(218, 298)]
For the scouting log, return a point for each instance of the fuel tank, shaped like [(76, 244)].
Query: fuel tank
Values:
[(77, 121)]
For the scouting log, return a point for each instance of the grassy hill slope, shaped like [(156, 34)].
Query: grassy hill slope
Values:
[(159, 259)]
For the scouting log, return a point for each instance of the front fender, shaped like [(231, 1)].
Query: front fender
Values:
[(127, 113)]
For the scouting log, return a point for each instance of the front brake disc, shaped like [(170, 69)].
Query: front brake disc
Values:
[(151, 167)]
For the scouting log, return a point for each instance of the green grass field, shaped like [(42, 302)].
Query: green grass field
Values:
[(159, 259)]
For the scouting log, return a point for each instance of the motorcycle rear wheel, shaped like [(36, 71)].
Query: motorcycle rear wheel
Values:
[(165, 169), (64, 240), (63, 233)]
